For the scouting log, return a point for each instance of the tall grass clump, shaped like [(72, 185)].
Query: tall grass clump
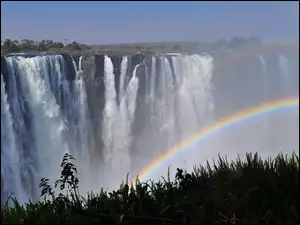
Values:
[(252, 190)]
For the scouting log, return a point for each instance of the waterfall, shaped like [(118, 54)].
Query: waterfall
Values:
[(285, 74), (265, 131), (80, 63), (117, 122), (50, 119), (153, 73), (47, 126), (195, 104), (265, 78), (115, 118), (11, 173), (123, 75), (176, 109)]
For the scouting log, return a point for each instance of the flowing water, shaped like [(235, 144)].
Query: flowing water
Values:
[(148, 107)]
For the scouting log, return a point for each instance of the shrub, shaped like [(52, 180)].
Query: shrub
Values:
[(242, 191)]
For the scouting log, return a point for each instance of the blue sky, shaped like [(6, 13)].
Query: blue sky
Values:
[(120, 22)]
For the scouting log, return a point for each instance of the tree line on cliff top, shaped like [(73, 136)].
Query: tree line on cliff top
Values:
[(26, 45)]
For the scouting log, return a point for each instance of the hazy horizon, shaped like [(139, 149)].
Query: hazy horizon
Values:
[(137, 22)]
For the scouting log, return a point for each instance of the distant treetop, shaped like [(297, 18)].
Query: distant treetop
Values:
[(26, 45)]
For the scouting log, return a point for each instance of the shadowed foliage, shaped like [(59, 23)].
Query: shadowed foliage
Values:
[(250, 190)]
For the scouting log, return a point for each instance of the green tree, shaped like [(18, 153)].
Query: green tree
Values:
[(42, 46), (10, 45), (27, 45), (74, 46)]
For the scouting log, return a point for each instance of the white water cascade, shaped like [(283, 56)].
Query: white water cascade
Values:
[(177, 108), (49, 120), (265, 77), (10, 157), (50, 105), (117, 122)]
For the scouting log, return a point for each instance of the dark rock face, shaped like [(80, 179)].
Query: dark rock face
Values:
[(4, 73), (69, 68), (93, 72)]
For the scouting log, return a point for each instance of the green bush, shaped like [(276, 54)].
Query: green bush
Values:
[(242, 191)]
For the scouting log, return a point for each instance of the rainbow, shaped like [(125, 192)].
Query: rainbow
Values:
[(216, 127)]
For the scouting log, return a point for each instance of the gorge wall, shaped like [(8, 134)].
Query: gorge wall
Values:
[(115, 113)]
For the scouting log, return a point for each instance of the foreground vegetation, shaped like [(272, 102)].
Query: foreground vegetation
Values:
[(242, 191)]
